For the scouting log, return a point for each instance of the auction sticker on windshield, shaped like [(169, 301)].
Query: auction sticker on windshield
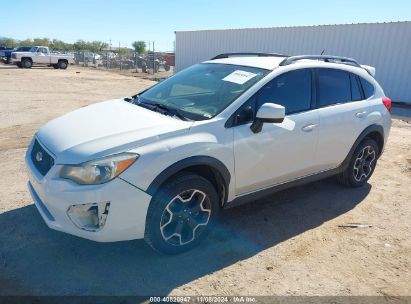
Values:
[(239, 77)]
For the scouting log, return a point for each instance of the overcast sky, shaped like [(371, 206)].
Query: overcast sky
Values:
[(124, 21)]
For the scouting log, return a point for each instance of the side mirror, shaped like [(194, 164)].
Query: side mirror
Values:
[(268, 112)]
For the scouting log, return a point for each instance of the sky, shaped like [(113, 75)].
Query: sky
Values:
[(125, 21)]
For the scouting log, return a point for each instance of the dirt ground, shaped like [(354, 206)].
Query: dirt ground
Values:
[(286, 244)]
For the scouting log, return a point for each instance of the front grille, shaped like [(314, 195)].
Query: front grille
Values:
[(41, 159)]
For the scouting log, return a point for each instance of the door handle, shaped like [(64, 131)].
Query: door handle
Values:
[(361, 114), (309, 127)]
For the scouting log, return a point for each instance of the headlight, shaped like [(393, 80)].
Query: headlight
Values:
[(99, 171)]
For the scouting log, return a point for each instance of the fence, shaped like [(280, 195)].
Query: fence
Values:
[(128, 60)]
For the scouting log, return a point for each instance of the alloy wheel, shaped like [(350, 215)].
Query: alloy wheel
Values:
[(185, 217), (363, 164)]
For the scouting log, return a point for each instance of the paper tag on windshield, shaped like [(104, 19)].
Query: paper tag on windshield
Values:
[(239, 77)]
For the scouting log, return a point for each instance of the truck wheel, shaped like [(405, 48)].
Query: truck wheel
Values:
[(27, 63), (55, 66), (19, 65), (62, 64), (181, 213)]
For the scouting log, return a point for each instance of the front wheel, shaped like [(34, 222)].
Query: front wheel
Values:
[(362, 164), (181, 213), (27, 63)]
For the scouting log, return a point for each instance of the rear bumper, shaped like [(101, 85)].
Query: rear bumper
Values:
[(54, 196)]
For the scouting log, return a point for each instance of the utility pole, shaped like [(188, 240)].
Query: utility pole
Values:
[(108, 54), (154, 60), (121, 56)]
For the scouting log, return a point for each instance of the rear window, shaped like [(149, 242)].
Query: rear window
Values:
[(334, 87), (367, 87)]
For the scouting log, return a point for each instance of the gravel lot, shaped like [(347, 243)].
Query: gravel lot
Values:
[(287, 244)]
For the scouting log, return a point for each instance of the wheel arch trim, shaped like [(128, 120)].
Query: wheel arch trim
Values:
[(187, 163), (367, 131)]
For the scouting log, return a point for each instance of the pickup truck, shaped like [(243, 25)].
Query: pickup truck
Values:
[(6, 53), (40, 55)]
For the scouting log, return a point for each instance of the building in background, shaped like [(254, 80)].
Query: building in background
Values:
[(386, 46)]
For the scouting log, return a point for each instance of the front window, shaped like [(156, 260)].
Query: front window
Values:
[(292, 90), (203, 90)]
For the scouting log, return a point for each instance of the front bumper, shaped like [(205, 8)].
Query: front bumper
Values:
[(53, 196)]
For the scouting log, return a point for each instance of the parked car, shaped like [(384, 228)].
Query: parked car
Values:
[(161, 164), (40, 55), (5, 55)]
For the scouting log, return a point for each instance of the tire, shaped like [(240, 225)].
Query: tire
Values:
[(62, 64), (181, 214), (27, 63), (55, 66), (361, 165), (19, 65)]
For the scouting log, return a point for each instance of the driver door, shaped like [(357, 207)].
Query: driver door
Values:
[(42, 56), (281, 151)]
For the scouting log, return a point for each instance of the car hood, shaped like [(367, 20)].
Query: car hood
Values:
[(22, 52), (105, 128)]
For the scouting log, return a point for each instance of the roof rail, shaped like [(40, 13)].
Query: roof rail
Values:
[(227, 55), (325, 58)]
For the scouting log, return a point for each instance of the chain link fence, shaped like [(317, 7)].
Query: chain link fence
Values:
[(161, 63)]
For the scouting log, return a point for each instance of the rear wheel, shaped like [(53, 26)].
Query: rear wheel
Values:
[(362, 164), (181, 213), (27, 63), (62, 64), (55, 66)]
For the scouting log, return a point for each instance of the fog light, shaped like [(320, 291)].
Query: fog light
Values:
[(90, 217)]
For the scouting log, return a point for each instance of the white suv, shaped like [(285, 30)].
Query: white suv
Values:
[(161, 164)]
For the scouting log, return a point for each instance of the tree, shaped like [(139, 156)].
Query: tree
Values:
[(139, 47), (41, 41), (26, 42), (7, 42)]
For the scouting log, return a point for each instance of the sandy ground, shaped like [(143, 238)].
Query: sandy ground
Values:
[(287, 244)]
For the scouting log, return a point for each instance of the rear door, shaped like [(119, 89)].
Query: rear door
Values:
[(343, 115)]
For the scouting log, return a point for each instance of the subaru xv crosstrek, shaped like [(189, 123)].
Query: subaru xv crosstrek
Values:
[(161, 164)]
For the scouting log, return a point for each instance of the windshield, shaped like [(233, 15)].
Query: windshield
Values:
[(33, 49), (203, 90)]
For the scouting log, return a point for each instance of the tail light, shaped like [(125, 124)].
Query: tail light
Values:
[(387, 103)]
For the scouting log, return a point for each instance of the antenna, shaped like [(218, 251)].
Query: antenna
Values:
[(323, 51)]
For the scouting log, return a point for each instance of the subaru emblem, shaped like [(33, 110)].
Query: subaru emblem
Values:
[(39, 156)]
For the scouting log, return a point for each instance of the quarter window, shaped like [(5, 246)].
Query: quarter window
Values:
[(334, 87), (367, 87), (291, 90), (355, 89)]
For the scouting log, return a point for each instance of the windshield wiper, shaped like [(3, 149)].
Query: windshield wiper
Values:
[(160, 108), (170, 110)]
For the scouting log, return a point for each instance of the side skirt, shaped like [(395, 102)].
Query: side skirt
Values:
[(249, 197)]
